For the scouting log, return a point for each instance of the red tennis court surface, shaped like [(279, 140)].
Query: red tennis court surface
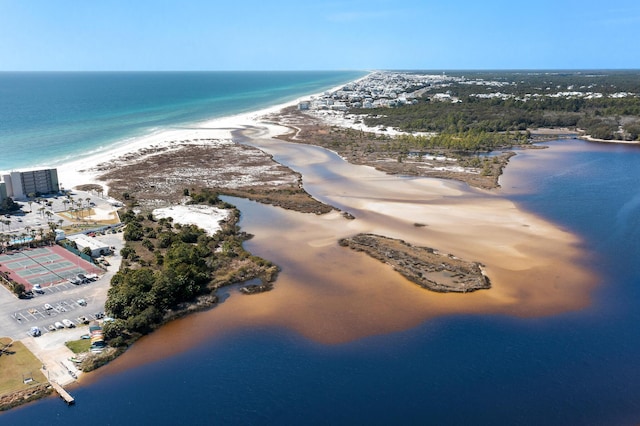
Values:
[(44, 266)]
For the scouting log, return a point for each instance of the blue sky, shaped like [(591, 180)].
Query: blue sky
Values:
[(317, 35)]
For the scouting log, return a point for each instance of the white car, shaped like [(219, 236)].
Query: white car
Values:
[(68, 323), (35, 331), (82, 302), (37, 288), (58, 325), (48, 307)]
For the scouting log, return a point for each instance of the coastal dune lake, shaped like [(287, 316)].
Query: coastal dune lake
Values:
[(343, 340)]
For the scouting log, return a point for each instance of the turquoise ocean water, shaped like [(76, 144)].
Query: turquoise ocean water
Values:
[(47, 118)]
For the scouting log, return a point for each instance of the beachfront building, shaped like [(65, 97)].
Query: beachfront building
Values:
[(18, 185), (97, 247), (3, 192)]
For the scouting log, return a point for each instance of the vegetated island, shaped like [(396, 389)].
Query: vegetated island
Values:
[(443, 273), (407, 154)]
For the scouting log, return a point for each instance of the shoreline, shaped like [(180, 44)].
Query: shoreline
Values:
[(74, 172)]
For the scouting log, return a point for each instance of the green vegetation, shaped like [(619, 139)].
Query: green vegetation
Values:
[(167, 266), (466, 141), (8, 205), (19, 374), (79, 346)]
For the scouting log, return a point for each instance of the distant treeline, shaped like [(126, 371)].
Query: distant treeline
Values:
[(468, 141)]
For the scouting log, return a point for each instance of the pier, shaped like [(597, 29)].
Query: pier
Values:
[(63, 393)]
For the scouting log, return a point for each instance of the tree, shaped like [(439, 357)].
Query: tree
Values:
[(133, 231), (19, 289), (8, 205), (87, 251)]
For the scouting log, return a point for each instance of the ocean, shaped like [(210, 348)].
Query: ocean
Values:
[(578, 367), (49, 118)]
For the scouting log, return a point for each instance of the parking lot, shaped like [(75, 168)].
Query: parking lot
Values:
[(52, 312), (45, 315), (17, 316)]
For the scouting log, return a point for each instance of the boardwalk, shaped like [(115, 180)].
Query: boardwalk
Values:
[(63, 393)]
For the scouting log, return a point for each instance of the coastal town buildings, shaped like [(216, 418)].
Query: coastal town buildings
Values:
[(19, 185), (385, 89)]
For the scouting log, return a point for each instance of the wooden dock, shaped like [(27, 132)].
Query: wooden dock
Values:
[(63, 393)]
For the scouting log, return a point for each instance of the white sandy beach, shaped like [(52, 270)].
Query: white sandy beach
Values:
[(82, 171), (206, 217)]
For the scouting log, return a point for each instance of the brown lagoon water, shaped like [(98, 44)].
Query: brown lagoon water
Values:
[(345, 340)]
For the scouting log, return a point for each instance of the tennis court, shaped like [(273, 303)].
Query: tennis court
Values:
[(44, 266)]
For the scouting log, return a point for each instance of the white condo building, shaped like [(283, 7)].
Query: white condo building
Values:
[(18, 185)]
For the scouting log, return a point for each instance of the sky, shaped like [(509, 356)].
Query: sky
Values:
[(160, 35)]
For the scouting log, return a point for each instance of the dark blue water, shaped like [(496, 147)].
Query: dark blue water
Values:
[(578, 368), (46, 118)]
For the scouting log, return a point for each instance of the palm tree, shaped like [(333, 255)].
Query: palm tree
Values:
[(3, 240), (23, 239)]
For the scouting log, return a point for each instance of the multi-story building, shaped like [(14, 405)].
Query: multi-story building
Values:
[(3, 192), (20, 185)]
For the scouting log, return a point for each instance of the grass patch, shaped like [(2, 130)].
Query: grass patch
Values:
[(79, 346), (16, 364)]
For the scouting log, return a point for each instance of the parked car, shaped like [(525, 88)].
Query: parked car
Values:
[(82, 302), (48, 307), (38, 289), (68, 323), (58, 325), (35, 331)]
